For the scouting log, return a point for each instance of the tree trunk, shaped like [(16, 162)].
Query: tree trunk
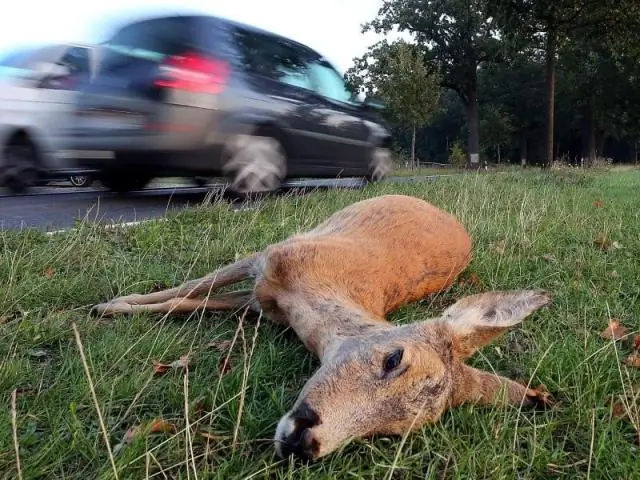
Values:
[(499, 155), (473, 156), (523, 149), (413, 147), (551, 87)]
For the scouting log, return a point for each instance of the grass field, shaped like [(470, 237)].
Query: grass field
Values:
[(216, 420)]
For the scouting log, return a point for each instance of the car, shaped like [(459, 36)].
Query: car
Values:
[(36, 98), (200, 96)]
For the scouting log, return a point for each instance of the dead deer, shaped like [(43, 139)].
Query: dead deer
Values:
[(333, 285)]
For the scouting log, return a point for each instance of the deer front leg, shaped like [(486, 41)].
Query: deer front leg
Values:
[(484, 388), (225, 301), (226, 275)]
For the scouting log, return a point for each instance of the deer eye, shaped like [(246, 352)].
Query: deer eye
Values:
[(392, 361)]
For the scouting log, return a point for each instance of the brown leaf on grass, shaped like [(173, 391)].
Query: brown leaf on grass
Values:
[(183, 362), (615, 330), (633, 360), (619, 410), (161, 426), (224, 366), (603, 242), (160, 368), (49, 272), (220, 345), (155, 426), (598, 204), (636, 343)]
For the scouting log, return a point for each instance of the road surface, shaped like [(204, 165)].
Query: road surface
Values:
[(51, 209)]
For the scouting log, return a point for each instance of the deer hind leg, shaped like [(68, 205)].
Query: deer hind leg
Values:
[(225, 301), (227, 275)]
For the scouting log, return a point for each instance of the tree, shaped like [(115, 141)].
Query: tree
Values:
[(399, 76), (549, 24), (457, 35)]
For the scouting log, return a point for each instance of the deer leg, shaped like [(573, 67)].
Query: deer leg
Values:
[(225, 301), (484, 388), (227, 275)]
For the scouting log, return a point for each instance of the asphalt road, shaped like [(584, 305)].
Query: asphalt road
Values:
[(51, 209)]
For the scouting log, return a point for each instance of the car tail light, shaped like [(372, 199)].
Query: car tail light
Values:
[(194, 73)]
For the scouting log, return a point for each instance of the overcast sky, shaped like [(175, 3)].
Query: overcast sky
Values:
[(330, 26)]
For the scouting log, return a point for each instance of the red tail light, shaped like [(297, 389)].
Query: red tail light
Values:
[(194, 73)]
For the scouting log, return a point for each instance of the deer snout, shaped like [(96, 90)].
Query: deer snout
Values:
[(294, 435)]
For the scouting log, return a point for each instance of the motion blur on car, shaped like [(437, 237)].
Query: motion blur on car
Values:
[(37, 98), (201, 97), (193, 96)]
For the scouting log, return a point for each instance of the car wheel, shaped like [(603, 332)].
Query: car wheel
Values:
[(19, 167), (254, 164), (380, 165), (81, 180), (123, 182)]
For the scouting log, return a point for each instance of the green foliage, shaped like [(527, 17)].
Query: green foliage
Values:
[(397, 73), (457, 155)]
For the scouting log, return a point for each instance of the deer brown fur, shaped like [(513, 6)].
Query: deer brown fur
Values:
[(334, 285)]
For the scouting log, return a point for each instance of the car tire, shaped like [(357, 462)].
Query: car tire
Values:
[(380, 165), (124, 182), (19, 165), (80, 180), (254, 165)]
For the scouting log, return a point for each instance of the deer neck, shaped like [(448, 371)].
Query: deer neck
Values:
[(322, 324)]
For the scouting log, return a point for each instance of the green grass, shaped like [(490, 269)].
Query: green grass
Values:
[(530, 230)]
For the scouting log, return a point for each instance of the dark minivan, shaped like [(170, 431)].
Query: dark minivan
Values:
[(201, 96)]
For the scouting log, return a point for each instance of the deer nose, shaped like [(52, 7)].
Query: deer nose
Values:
[(299, 441)]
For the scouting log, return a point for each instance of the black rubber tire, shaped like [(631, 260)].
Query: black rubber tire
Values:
[(124, 182), (19, 168)]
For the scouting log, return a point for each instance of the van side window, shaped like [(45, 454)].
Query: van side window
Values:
[(273, 57)]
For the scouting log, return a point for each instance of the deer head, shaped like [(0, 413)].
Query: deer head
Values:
[(394, 379)]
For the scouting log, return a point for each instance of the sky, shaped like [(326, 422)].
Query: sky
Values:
[(332, 27)]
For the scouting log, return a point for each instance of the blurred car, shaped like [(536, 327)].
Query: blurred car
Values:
[(200, 96), (36, 98)]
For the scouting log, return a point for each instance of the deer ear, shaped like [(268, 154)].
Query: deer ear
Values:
[(477, 319)]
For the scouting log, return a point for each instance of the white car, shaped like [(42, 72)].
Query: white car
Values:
[(36, 102)]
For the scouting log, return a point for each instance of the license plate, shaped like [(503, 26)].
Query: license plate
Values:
[(112, 122)]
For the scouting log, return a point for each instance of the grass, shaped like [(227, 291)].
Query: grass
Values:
[(531, 230)]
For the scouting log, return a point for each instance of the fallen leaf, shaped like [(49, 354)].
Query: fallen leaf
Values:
[(161, 368), (614, 274), (49, 272), (224, 366), (183, 362), (549, 257), (615, 330), (161, 426), (598, 204), (633, 360), (602, 241), (636, 342), (220, 345), (619, 410)]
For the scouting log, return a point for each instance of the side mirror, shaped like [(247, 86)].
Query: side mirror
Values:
[(374, 103)]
